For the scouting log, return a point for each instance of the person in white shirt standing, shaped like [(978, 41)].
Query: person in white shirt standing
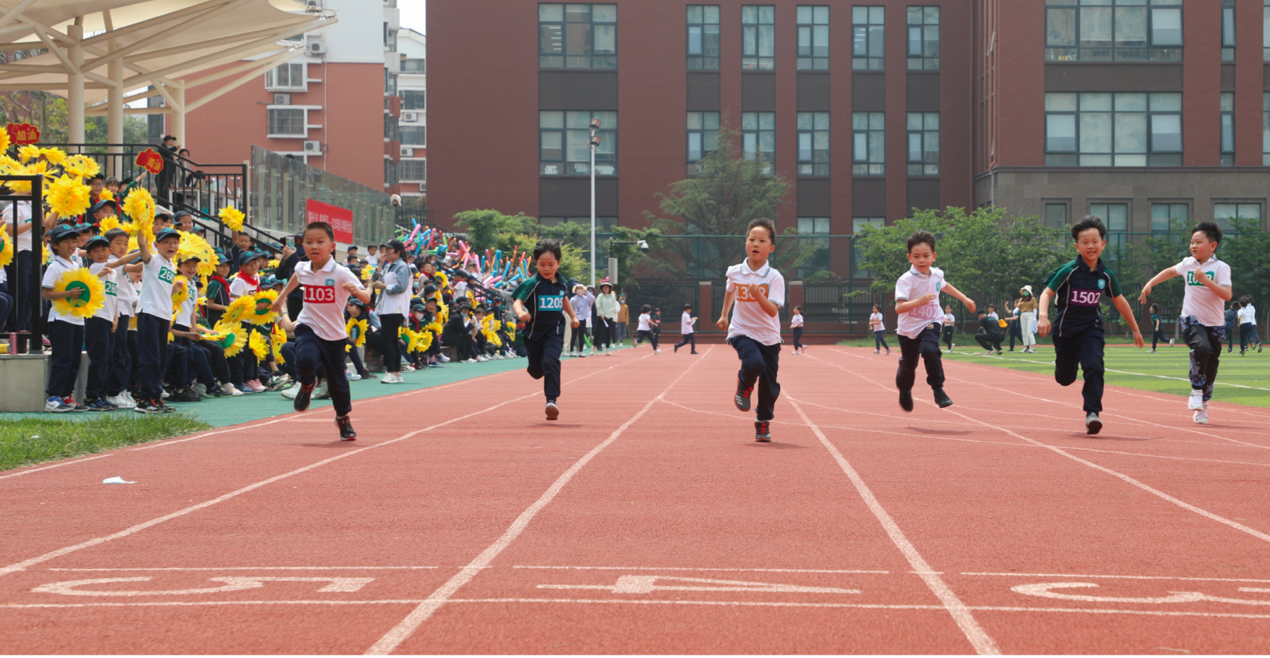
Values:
[(1203, 318), (154, 320), (796, 328), (99, 329), (66, 332), (921, 319), (1247, 325), (686, 328), (877, 325), (758, 291), (394, 279)]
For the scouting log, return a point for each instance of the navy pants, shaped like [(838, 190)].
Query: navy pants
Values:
[(1205, 343), (544, 361), (67, 339), (215, 355), (647, 336), (879, 341), (99, 343), (6, 303), (197, 359), (948, 334), (1248, 336), (120, 358), (152, 355), (926, 346), (798, 338), (1083, 349), (759, 366), (312, 354), (689, 338)]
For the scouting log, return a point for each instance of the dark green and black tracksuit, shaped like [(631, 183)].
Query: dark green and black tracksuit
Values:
[(544, 333), (1077, 329)]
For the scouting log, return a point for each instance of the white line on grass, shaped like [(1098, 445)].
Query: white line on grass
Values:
[(1129, 372), (398, 634)]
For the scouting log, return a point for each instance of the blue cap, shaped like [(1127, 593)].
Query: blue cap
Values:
[(62, 232), (97, 241), (165, 234), (106, 202)]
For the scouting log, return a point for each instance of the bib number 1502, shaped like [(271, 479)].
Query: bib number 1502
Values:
[(1086, 297)]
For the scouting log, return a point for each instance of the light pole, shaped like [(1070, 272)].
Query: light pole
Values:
[(595, 141)]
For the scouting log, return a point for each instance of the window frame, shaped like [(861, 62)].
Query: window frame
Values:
[(922, 60), (1151, 115), (760, 62), (1116, 237), (708, 137), (923, 167), (702, 59), (1265, 128), (1046, 205), (592, 56), (405, 103), (421, 128), (868, 167), (758, 132), (1170, 206), (823, 258), (402, 172), (818, 164), (304, 119), (857, 223), (1073, 53), (1228, 23), (1226, 222), (813, 61), (608, 135), (271, 78), (868, 62), (1226, 130)]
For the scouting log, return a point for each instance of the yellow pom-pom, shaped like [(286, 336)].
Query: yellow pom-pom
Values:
[(68, 197), (84, 167), (279, 338), (233, 337), (55, 156), (193, 246), (139, 205), (28, 153), (356, 331), (239, 309), (109, 223), (6, 251), (273, 264), (105, 196), (262, 309), (4, 140), (92, 293), (368, 272), (442, 280), (258, 345), (180, 290), (232, 217)]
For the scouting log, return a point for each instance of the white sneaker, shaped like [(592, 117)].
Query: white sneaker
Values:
[(322, 392), (468, 361), (656, 351), (199, 389), (391, 379), (354, 377), (1196, 402), (1170, 342), (290, 393), (444, 358), (229, 389), (1201, 416), (124, 400)]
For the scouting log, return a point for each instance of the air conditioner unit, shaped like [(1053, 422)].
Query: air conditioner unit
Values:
[(407, 152), (312, 6), (316, 47), (312, 146), (282, 99), (423, 187), (410, 117)]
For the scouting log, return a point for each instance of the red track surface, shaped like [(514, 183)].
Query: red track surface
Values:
[(648, 521)]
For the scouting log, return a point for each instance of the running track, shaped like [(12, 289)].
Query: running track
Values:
[(647, 520)]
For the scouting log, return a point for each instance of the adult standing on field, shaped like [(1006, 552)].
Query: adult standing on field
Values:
[(623, 319), (607, 309), (1025, 307)]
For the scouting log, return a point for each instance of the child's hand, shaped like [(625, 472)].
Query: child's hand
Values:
[(1137, 338), (1043, 326), (1146, 292), (722, 324), (352, 287), (970, 304), (523, 317), (574, 323), (928, 298), (276, 307), (379, 285), (105, 272), (757, 291)]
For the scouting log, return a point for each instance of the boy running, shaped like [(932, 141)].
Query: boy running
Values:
[(541, 304), (1078, 288), (755, 332), (1203, 320)]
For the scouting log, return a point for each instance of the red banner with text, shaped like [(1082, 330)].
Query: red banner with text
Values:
[(340, 219)]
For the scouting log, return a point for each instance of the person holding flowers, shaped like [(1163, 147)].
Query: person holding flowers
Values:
[(66, 329)]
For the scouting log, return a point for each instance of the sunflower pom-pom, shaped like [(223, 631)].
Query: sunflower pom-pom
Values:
[(6, 251), (4, 140), (91, 297), (356, 332), (84, 167), (259, 346), (232, 217), (240, 309), (262, 310), (279, 338), (233, 337), (139, 205), (55, 156), (180, 290), (68, 197)]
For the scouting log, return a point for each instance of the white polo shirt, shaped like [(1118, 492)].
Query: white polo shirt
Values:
[(56, 268), (685, 324), (748, 317), (185, 314), (914, 285), (876, 322), (1199, 302), (107, 310), (796, 321), (324, 298), (1247, 314), (156, 287), (24, 217), (241, 287), (125, 294)]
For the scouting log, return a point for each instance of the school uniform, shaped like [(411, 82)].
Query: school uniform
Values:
[(645, 330), (1247, 327), (154, 320), (689, 332), (1078, 330), (198, 360), (27, 265), (796, 327), (1203, 320), (544, 333), (124, 343), (66, 333), (218, 293), (242, 367), (877, 325), (99, 337), (755, 335), (919, 328), (320, 334), (950, 326)]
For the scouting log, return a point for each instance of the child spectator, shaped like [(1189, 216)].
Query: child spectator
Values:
[(99, 329), (218, 297), (1232, 320), (686, 323), (796, 327), (66, 332), (623, 319), (540, 302), (1078, 288), (154, 319), (245, 284), (877, 325), (950, 326), (1208, 287), (124, 340), (1157, 333)]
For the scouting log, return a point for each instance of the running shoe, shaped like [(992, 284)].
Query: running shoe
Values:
[(97, 405), (55, 405), (323, 391), (346, 428), (146, 406), (1201, 415), (553, 411), (1196, 401), (942, 399), (290, 393), (742, 398), (303, 396), (906, 400), (762, 431), (1092, 424)]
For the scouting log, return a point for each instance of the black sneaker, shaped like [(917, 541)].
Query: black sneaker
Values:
[(162, 408), (762, 431), (743, 396), (676, 349), (1092, 424), (303, 396), (906, 400), (553, 411), (217, 392), (346, 427), (942, 399)]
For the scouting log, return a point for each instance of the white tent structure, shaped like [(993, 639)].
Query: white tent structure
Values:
[(104, 54)]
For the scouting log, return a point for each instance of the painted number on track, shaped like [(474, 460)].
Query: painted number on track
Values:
[(230, 584), (1048, 590), (650, 584)]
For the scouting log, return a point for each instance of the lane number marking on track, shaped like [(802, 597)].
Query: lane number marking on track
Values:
[(650, 584), (1047, 590), (231, 584)]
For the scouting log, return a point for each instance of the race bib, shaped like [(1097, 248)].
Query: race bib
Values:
[(743, 293), (111, 289), (1085, 297), (314, 294), (928, 312), (551, 302), (1191, 280), (166, 275)]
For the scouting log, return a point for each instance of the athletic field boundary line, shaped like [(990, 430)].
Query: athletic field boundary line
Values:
[(1128, 372), (978, 637), (406, 627), (57, 465), (19, 566)]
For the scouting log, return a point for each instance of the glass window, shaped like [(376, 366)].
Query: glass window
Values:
[(392, 129), (1265, 130), (1116, 217), (564, 140), (923, 38), (1121, 130), (415, 171), (1227, 213), (414, 100), (1113, 30), (1055, 215), (703, 37), (284, 122), (813, 143), (1228, 30), (390, 172), (703, 135), (576, 36), (1265, 32), (1227, 130), (867, 38), (868, 144), (1163, 213), (758, 37), (857, 224), (287, 76), (758, 137), (923, 143), (813, 38), (414, 66), (820, 259), (414, 136)]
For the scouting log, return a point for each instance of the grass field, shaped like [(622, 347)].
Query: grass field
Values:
[(25, 441)]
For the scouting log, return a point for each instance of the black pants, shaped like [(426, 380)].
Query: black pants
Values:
[(1083, 349), (926, 345), (989, 341), (67, 339), (759, 366), (1228, 338), (152, 354), (99, 343), (603, 331), (215, 355), (390, 345), (242, 366), (1248, 336), (1158, 337), (948, 334), (27, 268), (6, 304), (578, 342), (798, 338), (178, 369), (199, 359), (688, 338), (120, 358), (879, 341), (288, 355), (649, 336), (313, 353), (1205, 343), (1015, 332), (544, 361)]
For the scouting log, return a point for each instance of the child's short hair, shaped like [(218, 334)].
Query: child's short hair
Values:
[(687, 307), (115, 233), (981, 312), (992, 306), (1155, 308), (798, 308), (547, 246), (645, 309), (921, 237), (316, 226), (1210, 229), (1245, 300), (765, 223), (1087, 222)]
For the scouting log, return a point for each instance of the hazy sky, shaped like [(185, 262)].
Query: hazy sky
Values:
[(414, 15)]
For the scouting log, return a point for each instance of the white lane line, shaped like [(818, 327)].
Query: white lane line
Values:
[(1070, 575), (19, 566), (704, 569), (978, 637), (57, 465), (398, 634), (110, 569), (1129, 372)]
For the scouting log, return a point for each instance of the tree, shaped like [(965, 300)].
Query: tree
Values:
[(492, 230), (714, 208), (39, 108), (135, 130)]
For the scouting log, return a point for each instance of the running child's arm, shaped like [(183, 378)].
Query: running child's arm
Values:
[(729, 298), (518, 307), (1043, 312), (573, 317), (1225, 292), (282, 296), (905, 305), (759, 293), (1126, 312), (1164, 275), (354, 290), (960, 296)]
